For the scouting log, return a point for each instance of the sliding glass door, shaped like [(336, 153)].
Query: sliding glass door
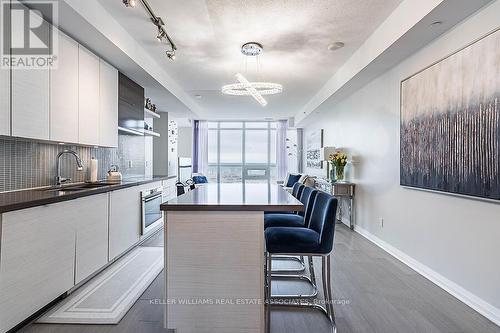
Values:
[(242, 152)]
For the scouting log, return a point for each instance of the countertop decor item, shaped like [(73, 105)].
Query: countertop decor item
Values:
[(114, 176), (330, 169), (94, 165), (339, 161)]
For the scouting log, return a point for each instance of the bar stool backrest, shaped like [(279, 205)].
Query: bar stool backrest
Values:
[(307, 198), (180, 188), (323, 220), (297, 190)]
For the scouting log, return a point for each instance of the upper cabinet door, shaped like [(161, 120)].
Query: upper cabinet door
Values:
[(5, 92), (64, 92), (30, 94), (4, 101), (108, 110), (88, 97)]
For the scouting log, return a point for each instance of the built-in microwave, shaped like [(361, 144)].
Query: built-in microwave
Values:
[(152, 216)]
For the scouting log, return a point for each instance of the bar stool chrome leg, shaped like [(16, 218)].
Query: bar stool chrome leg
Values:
[(311, 280), (327, 309), (300, 260), (329, 288), (268, 293)]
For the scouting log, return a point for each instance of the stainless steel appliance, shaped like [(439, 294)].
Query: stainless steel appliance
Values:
[(152, 216)]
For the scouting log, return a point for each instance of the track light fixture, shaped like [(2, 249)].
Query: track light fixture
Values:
[(158, 22), (161, 34), (129, 3), (170, 54)]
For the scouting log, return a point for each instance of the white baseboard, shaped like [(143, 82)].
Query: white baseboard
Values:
[(475, 302)]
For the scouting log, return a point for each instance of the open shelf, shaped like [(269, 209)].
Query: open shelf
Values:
[(151, 133), (151, 114), (129, 131)]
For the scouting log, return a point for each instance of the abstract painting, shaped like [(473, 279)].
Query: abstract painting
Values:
[(450, 123), (314, 144)]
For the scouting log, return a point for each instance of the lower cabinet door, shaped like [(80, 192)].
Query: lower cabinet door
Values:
[(37, 256), (91, 215), (124, 220)]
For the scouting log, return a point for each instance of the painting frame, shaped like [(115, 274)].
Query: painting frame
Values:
[(314, 147), (492, 191)]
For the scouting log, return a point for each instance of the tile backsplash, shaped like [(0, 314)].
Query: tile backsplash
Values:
[(28, 164)]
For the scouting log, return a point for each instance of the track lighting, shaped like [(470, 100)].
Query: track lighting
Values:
[(161, 34), (129, 3), (171, 54)]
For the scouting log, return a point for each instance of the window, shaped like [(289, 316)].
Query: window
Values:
[(241, 152), (230, 146), (256, 146)]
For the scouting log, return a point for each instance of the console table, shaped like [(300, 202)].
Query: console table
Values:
[(341, 190)]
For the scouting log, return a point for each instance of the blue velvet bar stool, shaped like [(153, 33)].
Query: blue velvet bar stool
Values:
[(298, 219), (316, 240), (297, 189)]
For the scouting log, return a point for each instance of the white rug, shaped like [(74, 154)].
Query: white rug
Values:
[(107, 297)]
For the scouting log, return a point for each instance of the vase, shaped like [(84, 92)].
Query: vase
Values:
[(331, 176), (339, 173)]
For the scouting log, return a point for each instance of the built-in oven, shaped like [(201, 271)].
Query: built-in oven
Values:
[(152, 216)]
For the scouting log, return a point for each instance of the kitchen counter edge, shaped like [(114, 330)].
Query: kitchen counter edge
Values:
[(8, 203)]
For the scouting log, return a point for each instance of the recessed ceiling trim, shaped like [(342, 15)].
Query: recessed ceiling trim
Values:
[(395, 39)]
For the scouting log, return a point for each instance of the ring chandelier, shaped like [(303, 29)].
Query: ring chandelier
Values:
[(254, 89)]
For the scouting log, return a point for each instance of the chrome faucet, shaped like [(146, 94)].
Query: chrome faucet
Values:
[(59, 179)]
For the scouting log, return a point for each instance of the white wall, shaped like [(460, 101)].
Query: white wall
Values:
[(185, 143), (454, 241)]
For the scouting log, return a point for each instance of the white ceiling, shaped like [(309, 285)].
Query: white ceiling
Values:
[(295, 35)]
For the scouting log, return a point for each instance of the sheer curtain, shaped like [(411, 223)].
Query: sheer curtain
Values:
[(200, 147), (281, 151)]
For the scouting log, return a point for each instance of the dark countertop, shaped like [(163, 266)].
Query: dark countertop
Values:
[(235, 197), (10, 201)]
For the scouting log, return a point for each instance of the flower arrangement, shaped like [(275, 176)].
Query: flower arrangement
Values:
[(339, 161)]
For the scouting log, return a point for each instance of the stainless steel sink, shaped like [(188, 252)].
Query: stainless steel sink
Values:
[(76, 188)]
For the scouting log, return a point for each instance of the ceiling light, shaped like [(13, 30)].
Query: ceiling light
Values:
[(170, 54), (129, 3), (335, 46), (252, 49), (197, 96), (247, 88), (254, 89), (161, 34)]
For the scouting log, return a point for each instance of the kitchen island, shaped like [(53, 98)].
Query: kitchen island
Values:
[(214, 256)]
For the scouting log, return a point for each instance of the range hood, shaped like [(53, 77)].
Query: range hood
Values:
[(130, 106)]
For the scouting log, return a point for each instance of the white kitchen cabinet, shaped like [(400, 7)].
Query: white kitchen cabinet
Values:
[(169, 188), (4, 101), (108, 105), (37, 260), (124, 220), (88, 97), (30, 98), (64, 92), (91, 216)]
